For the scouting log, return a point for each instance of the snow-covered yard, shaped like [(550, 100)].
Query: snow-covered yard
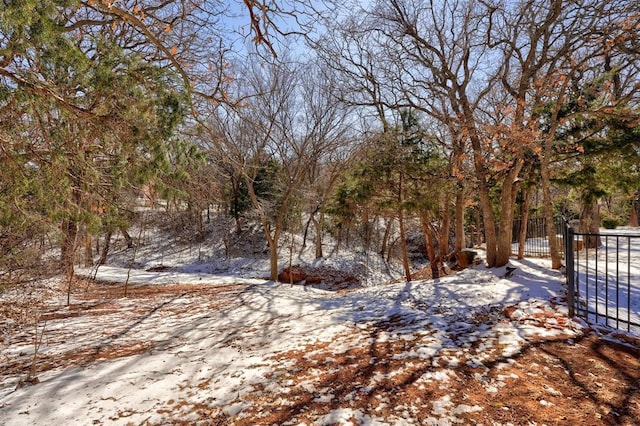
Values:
[(193, 348)]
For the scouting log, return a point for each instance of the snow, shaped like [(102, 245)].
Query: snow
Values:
[(192, 351)]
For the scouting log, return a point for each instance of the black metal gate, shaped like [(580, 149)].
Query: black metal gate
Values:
[(603, 278)]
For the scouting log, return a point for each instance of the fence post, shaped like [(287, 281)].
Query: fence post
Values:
[(571, 278)]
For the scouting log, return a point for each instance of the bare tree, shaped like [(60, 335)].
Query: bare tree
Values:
[(287, 125), (496, 74), (569, 45), (436, 59)]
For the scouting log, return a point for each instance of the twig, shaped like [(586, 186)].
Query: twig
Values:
[(36, 346), (135, 251), (31, 378)]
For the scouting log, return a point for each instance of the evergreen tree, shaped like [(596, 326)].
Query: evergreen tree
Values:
[(400, 175), (599, 147), (88, 121)]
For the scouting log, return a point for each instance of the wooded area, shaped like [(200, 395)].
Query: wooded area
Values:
[(363, 122)]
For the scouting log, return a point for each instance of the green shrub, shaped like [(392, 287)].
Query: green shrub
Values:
[(610, 223)]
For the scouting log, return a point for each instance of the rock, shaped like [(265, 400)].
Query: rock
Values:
[(509, 270), (464, 258), (294, 274), (159, 268), (321, 277), (422, 274)]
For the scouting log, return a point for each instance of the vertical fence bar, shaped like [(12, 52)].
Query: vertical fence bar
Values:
[(571, 278), (576, 263), (617, 281), (586, 275), (596, 271), (561, 225), (542, 226), (532, 233), (606, 279), (628, 283)]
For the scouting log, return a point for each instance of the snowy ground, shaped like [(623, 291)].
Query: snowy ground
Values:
[(189, 346), (225, 347)]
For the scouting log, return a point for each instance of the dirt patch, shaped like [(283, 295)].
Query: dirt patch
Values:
[(325, 278)]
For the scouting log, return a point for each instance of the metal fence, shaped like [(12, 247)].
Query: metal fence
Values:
[(603, 277), (536, 243)]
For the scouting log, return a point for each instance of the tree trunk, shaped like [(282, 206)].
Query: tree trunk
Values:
[(403, 239), (309, 221), (97, 248), (507, 204), (390, 250), (200, 223), (67, 252), (319, 230), (273, 250), (105, 248), (306, 230), (633, 217), (443, 238), (481, 173), (458, 162), (127, 237), (595, 223), (460, 242), (524, 223), (403, 246), (385, 237), (69, 238), (554, 246), (591, 223), (367, 229), (489, 226), (88, 248), (234, 207), (431, 251)]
